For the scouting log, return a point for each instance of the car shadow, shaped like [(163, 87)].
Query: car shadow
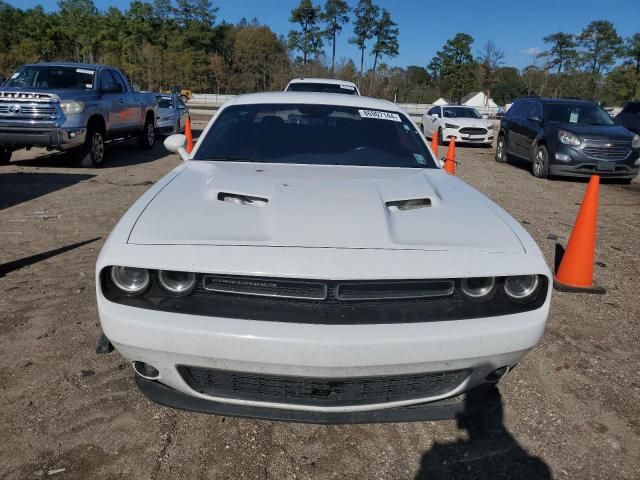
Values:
[(14, 265), (490, 452), (19, 187)]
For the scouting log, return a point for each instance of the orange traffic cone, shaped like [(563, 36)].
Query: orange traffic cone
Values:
[(450, 159), (188, 134), (434, 143), (575, 273)]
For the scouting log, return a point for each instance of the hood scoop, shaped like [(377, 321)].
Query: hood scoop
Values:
[(409, 204), (239, 199)]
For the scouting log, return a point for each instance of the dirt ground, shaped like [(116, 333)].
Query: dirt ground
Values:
[(570, 410)]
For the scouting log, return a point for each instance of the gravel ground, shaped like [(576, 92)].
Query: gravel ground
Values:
[(570, 410)]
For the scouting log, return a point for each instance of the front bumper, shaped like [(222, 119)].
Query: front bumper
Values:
[(45, 135), (167, 340), (478, 401), (579, 165)]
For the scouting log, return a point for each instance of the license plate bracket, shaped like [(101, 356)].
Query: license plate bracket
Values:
[(606, 166)]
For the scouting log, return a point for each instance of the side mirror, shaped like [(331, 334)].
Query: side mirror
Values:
[(534, 118), (176, 144), (434, 115), (111, 88)]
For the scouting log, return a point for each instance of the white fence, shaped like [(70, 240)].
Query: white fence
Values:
[(209, 98)]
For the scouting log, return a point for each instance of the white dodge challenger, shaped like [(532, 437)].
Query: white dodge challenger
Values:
[(311, 261)]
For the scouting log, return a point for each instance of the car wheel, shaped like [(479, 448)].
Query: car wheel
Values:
[(540, 163), (177, 126), (5, 155), (91, 154), (148, 135), (440, 139), (501, 151)]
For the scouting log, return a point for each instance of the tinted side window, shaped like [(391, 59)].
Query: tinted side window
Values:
[(117, 78), (632, 107), (432, 111), (105, 78)]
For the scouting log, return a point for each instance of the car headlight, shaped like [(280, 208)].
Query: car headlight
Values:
[(490, 127), (635, 143), (177, 283), (568, 138), (72, 107), (522, 288), (130, 280), (451, 125), (478, 289)]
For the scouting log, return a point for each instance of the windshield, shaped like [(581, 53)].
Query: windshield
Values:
[(631, 107), (577, 114), (460, 112), (55, 77), (314, 135), (165, 102), (321, 88)]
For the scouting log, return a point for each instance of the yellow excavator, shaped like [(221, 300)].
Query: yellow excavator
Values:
[(185, 94)]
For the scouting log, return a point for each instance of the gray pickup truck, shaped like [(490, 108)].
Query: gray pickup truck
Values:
[(73, 106)]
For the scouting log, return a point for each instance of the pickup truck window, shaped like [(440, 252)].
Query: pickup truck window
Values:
[(54, 77)]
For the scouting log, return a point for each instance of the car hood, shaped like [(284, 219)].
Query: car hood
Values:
[(601, 132), (322, 207), (468, 122)]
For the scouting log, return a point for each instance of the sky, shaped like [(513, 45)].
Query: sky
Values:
[(516, 26)]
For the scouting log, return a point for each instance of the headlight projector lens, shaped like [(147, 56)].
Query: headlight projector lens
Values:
[(178, 283), (478, 289), (129, 279), (521, 288)]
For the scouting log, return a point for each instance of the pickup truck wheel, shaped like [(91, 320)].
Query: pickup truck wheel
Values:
[(540, 162), (91, 154), (5, 155), (148, 135)]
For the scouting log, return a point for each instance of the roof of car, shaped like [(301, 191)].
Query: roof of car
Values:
[(557, 100), (68, 64), (315, 98), (322, 80)]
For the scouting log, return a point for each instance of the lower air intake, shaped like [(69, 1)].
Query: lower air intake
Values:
[(321, 391)]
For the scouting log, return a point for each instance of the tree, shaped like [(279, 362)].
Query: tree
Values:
[(562, 51), (366, 14), (508, 85), (600, 44), (453, 66), (386, 34), (335, 14), (309, 39), (490, 58), (632, 55)]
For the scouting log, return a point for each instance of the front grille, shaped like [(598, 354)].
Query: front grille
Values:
[(320, 391), (23, 111), (604, 150), (30, 97), (327, 291), (473, 131), (265, 287)]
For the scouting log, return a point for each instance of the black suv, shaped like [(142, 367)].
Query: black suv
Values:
[(567, 137), (629, 117)]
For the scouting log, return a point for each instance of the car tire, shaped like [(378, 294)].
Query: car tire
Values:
[(177, 126), (501, 150), (5, 155), (147, 136), (540, 162), (440, 139), (91, 154)]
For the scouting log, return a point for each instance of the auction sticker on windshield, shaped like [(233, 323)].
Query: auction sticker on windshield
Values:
[(380, 115), (84, 70)]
